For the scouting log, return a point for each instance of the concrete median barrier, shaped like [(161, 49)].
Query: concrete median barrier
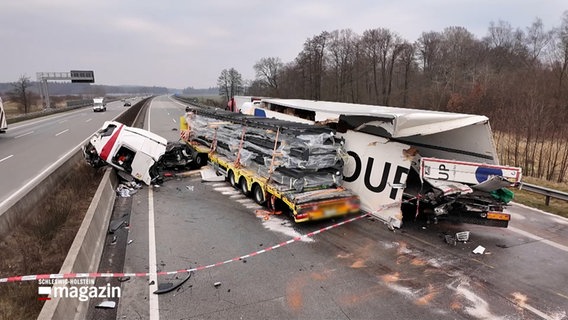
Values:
[(86, 250)]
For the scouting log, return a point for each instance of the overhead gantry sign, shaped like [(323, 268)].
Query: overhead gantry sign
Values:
[(76, 76)]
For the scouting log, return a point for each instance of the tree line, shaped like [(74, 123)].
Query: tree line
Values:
[(517, 77)]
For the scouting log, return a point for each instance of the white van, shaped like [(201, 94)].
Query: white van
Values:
[(99, 104)]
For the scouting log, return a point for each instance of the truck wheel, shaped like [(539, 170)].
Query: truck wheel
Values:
[(258, 194), (200, 160), (244, 188), (232, 179)]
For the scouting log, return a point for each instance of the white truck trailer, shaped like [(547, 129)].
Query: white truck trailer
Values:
[(3, 121)]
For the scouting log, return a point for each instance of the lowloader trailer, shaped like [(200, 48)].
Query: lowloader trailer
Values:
[(282, 165)]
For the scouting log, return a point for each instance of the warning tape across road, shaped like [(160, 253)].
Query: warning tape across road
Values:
[(161, 273)]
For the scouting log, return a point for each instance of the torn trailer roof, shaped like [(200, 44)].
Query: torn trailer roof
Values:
[(439, 134)]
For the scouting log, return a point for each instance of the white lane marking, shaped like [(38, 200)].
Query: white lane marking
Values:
[(153, 302), (62, 132), (23, 135), (8, 157), (62, 121), (89, 120), (154, 305), (540, 239)]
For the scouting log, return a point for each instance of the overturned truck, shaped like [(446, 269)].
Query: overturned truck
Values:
[(410, 163), (140, 153)]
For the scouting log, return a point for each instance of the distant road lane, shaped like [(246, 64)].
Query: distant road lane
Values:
[(28, 148)]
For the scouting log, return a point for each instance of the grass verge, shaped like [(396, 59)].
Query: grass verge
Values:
[(40, 244)]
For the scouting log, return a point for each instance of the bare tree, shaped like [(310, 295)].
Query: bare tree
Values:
[(406, 61), (230, 83), (341, 51), (536, 40), (312, 63), (21, 93), (267, 72)]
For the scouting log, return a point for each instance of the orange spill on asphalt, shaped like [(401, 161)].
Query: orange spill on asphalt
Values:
[(391, 277), (418, 262), (427, 298), (359, 263), (294, 295), (456, 305)]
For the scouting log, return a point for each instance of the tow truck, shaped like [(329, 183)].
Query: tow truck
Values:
[(285, 166)]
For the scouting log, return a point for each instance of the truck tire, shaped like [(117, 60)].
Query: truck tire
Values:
[(244, 187), (200, 160), (258, 194), (232, 180)]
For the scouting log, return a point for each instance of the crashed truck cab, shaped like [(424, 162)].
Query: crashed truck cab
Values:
[(138, 152)]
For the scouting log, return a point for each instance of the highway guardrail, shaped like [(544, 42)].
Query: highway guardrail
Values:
[(547, 192)]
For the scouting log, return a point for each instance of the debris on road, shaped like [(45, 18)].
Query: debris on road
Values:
[(106, 305), (170, 286), (115, 225), (450, 240), (462, 236), (217, 284), (125, 191), (210, 175), (479, 250)]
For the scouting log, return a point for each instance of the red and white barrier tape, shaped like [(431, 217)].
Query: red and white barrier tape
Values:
[(161, 273)]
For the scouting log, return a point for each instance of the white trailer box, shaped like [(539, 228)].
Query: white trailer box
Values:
[(3, 121)]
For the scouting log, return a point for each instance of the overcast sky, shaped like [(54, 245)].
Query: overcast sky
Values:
[(179, 43)]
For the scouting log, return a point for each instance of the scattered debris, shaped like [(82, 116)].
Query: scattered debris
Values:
[(190, 188), (115, 225), (123, 279), (113, 242), (450, 240), (217, 284), (462, 236), (130, 241), (106, 305), (210, 175), (125, 190), (479, 250), (170, 286)]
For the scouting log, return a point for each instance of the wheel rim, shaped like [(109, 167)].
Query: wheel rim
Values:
[(258, 195)]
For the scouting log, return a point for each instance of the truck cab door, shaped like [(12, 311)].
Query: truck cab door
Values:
[(141, 167)]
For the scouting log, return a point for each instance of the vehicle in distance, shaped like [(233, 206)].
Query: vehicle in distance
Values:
[(3, 123), (99, 104), (127, 103)]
